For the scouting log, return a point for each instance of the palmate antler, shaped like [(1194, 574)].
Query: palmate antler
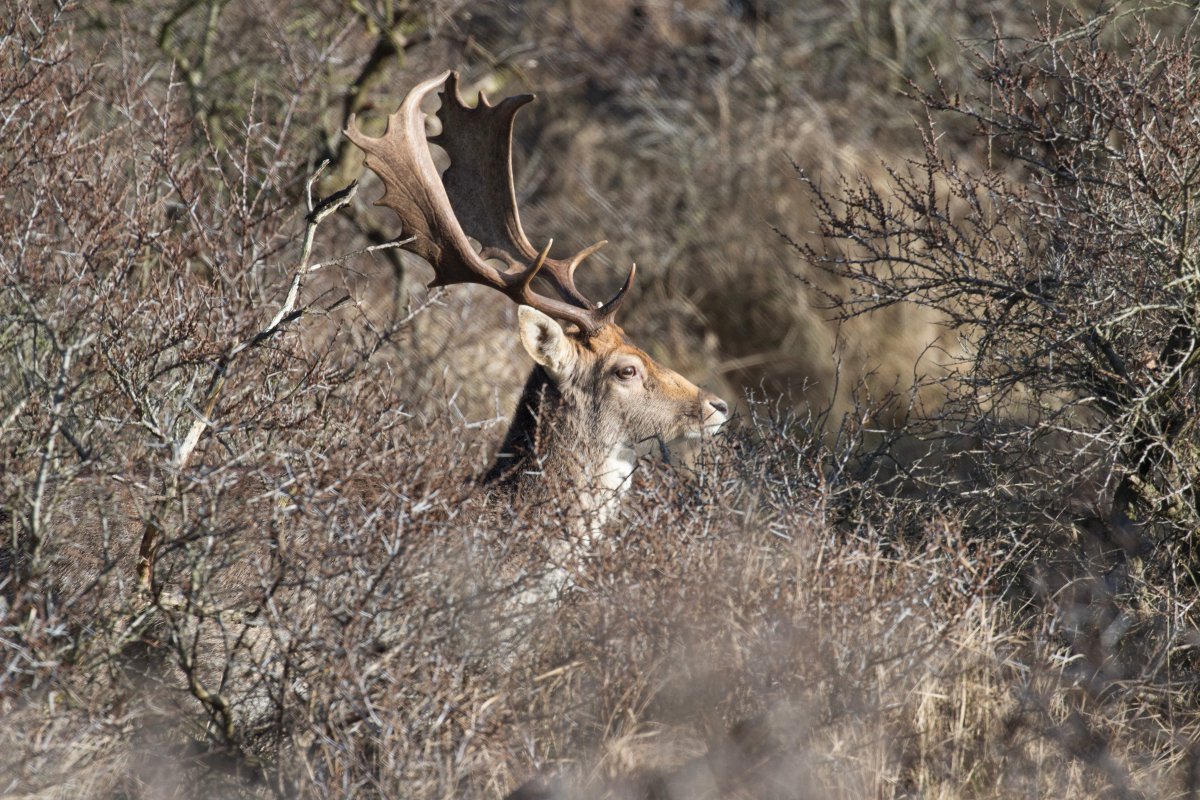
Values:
[(473, 198)]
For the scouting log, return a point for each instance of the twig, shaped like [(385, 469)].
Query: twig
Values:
[(204, 410)]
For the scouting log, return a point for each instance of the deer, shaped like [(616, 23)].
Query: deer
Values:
[(594, 402)]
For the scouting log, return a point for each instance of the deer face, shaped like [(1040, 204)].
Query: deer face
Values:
[(627, 400)]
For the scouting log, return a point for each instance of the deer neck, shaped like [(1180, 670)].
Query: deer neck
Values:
[(555, 443)]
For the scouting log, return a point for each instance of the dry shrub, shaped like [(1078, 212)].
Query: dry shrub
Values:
[(739, 633), (1066, 270), (336, 609)]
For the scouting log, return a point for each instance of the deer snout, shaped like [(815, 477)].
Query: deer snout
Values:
[(715, 411)]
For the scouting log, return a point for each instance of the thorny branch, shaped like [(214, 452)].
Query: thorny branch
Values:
[(221, 371)]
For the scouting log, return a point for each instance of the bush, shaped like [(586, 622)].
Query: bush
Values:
[(1066, 267)]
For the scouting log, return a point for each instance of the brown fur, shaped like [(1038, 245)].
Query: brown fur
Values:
[(568, 426)]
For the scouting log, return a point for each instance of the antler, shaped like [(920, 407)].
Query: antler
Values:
[(475, 197)]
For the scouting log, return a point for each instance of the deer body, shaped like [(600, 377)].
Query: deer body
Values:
[(594, 402)]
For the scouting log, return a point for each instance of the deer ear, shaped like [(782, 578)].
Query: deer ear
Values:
[(545, 340)]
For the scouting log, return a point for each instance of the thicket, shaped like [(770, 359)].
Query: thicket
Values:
[(243, 554), (1063, 255)]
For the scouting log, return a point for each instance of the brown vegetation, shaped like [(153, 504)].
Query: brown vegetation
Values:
[(201, 361)]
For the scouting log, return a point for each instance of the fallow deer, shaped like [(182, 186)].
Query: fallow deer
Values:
[(594, 401)]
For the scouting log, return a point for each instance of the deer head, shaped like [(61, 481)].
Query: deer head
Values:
[(593, 400)]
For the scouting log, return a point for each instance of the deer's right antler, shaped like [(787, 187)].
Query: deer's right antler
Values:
[(475, 197)]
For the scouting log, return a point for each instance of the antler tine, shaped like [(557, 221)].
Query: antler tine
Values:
[(474, 197), (528, 275), (607, 311), (579, 257), (561, 275)]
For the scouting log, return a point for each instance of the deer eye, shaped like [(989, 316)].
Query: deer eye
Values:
[(626, 373)]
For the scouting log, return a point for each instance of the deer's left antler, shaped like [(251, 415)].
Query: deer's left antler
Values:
[(474, 198)]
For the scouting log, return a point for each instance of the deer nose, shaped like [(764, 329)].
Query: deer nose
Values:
[(718, 405)]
